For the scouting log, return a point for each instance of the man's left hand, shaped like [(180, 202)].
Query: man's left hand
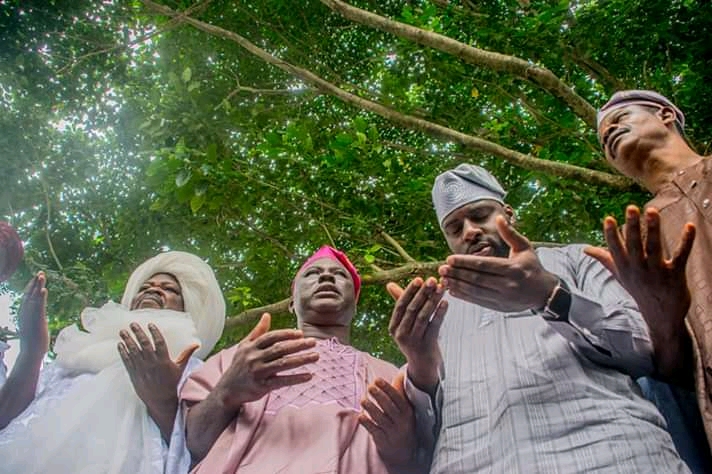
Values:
[(153, 373), (390, 420), (516, 283)]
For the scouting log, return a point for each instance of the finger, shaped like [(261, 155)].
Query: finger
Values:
[(379, 436), (396, 395), (279, 381), (492, 281), (143, 340), (375, 413), (260, 328), (436, 320), (653, 245), (132, 349), (382, 392), (285, 348), (516, 241), (273, 337), (158, 341), (425, 315), (416, 307), (614, 239), (184, 356), (394, 290), (270, 369), (603, 256), (633, 241), (125, 357), (473, 263), (399, 383), (402, 304), (684, 247)]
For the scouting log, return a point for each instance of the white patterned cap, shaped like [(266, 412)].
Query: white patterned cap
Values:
[(464, 185)]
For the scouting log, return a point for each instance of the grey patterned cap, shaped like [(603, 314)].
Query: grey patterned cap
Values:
[(638, 97), (464, 185)]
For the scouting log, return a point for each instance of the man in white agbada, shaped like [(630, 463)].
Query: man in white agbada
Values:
[(107, 404)]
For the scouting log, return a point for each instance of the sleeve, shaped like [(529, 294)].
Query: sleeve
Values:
[(428, 417), (604, 322), (176, 455)]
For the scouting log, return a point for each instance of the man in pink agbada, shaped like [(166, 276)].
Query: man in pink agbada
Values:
[(296, 401)]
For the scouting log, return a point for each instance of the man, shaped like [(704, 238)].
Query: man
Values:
[(98, 409), (288, 401), (642, 134), (539, 351)]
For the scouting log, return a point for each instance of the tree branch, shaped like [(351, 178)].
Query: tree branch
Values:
[(540, 76), (393, 243), (529, 162)]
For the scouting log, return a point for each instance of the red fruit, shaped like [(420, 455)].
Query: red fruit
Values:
[(11, 250)]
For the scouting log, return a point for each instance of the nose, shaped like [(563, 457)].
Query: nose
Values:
[(326, 276), (470, 230)]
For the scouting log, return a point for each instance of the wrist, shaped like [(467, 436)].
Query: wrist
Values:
[(551, 283), (424, 375)]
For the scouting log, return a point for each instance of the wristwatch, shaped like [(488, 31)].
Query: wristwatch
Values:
[(559, 303)]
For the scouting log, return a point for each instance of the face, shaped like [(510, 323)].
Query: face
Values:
[(324, 294), (471, 229), (628, 135), (161, 291)]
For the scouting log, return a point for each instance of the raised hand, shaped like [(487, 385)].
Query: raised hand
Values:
[(32, 317), (153, 373), (259, 360), (657, 284), (415, 326), (389, 418), (516, 283)]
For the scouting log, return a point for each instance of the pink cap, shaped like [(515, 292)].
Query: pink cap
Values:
[(333, 254)]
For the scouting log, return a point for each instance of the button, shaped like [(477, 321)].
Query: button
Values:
[(429, 412), (693, 184), (586, 332), (706, 203), (681, 172)]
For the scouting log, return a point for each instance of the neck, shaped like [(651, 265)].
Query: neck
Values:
[(665, 162), (342, 333)]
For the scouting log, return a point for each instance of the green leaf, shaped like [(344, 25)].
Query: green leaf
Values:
[(187, 74), (183, 177), (196, 202)]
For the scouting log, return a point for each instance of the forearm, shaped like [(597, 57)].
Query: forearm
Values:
[(19, 389), (673, 354), (205, 422), (164, 415)]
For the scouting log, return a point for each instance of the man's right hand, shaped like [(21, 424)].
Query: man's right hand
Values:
[(258, 361), (32, 318), (415, 326)]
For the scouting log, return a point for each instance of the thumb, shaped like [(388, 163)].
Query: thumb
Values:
[(184, 356), (394, 290), (604, 257), (516, 241), (261, 328), (399, 383)]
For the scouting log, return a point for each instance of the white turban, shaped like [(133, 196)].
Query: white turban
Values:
[(202, 297)]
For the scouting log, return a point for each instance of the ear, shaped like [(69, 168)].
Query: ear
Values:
[(509, 212), (666, 115)]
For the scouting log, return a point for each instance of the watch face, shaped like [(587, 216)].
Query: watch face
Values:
[(559, 305)]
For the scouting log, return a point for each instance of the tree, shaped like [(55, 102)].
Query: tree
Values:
[(251, 133)]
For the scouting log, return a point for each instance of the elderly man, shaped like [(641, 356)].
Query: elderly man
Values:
[(539, 348), (642, 136), (288, 401), (99, 409)]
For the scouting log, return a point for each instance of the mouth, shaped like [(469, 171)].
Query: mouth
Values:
[(482, 249), (327, 290), (612, 141)]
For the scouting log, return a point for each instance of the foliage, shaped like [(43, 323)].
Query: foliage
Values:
[(125, 132)]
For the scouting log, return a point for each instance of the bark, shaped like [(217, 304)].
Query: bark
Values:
[(538, 75), (526, 161)]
